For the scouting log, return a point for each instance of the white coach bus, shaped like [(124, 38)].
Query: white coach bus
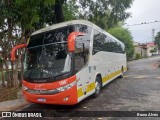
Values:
[(67, 62)]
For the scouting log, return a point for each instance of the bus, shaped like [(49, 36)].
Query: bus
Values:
[(67, 62)]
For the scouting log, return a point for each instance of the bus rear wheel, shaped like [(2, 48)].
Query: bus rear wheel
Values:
[(98, 87)]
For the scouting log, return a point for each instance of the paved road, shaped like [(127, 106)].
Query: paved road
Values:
[(138, 91)]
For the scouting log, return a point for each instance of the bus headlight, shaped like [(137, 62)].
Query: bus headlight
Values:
[(61, 89), (24, 87), (49, 92)]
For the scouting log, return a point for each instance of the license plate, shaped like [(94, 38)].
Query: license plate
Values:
[(41, 100)]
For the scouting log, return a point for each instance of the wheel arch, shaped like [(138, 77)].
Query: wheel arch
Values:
[(100, 76)]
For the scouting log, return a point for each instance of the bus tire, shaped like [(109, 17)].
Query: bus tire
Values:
[(98, 87), (122, 73)]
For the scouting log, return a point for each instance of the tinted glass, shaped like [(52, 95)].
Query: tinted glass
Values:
[(98, 41), (82, 47), (102, 42), (57, 35), (47, 54), (47, 61)]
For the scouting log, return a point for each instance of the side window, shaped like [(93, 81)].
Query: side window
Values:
[(82, 47), (81, 53), (97, 42), (79, 56), (118, 48), (123, 49), (83, 28), (102, 42), (112, 45), (108, 44)]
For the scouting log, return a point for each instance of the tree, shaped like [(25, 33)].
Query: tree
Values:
[(124, 36), (7, 15), (70, 10), (104, 13), (18, 19), (59, 10), (157, 40), (2, 72)]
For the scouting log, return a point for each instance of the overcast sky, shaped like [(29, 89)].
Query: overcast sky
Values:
[(144, 11)]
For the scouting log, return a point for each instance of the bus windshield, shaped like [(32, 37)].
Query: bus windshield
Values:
[(47, 55)]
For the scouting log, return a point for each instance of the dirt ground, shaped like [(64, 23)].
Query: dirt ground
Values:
[(8, 94)]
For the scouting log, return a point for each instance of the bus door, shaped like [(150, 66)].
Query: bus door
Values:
[(81, 64)]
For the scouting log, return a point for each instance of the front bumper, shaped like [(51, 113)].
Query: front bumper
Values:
[(68, 97)]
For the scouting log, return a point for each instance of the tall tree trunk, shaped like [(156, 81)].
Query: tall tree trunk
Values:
[(2, 74), (8, 74), (22, 67), (12, 73), (16, 75), (10, 28), (19, 68), (59, 13)]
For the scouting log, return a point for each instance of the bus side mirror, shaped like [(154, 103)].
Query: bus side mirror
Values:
[(71, 40), (14, 50)]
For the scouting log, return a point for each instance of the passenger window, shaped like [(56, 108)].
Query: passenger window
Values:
[(102, 42), (97, 42), (81, 52)]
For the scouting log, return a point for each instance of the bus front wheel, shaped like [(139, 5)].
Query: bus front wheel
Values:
[(98, 87)]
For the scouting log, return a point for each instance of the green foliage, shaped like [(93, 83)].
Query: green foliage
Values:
[(153, 51), (157, 40), (32, 12), (70, 10), (124, 35), (138, 56), (105, 13)]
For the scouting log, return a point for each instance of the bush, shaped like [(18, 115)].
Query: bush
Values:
[(153, 50), (138, 56)]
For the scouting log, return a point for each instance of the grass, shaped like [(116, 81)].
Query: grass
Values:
[(8, 94)]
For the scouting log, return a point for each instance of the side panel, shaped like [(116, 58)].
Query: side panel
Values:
[(85, 85), (114, 63), (108, 54)]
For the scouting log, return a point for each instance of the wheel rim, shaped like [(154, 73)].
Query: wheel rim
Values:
[(98, 87)]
